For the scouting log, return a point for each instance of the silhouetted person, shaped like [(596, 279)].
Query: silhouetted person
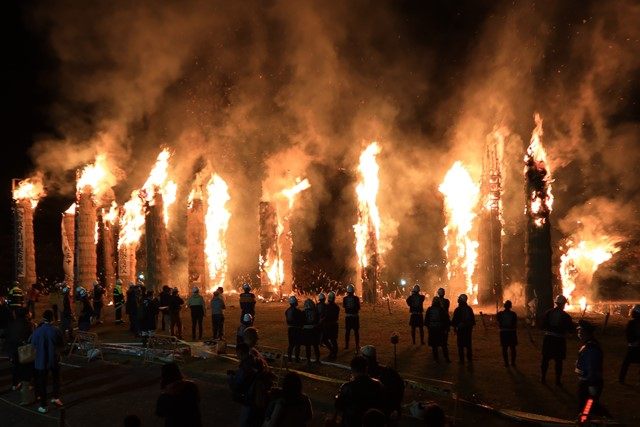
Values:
[(247, 302), (289, 407), (437, 322), (179, 403), (392, 382), (47, 339), (118, 301), (330, 324), (589, 368), (556, 323), (295, 319), (131, 309), (358, 395), (310, 331), (632, 332), (415, 301), (217, 314), (351, 304), (17, 334), (508, 324), (175, 305), (197, 306), (463, 321), (98, 301), (165, 299)]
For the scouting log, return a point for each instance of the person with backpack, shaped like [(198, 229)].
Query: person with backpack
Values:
[(351, 305), (508, 323), (197, 306), (437, 323), (289, 407), (179, 403), (556, 324), (463, 321), (310, 331), (294, 318), (415, 301)]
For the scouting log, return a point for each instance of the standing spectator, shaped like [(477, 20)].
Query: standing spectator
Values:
[(175, 305), (247, 321), (508, 323), (415, 301), (589, 368), (17, 333), (149, 317), (197, 306), (463, 321), (32, 298), (437, 322), (556, 323), (86, 312), (55, 301), (131, 308), (118, 301), (67, 314), (179, 403), (351, 304), (217, 314), (247, 302), (165, 299), (358, 395), (392, 382), (289, 406), (47, 340), (633, 342), (98, 301), (295, 319), (310, 331), (332, 315)]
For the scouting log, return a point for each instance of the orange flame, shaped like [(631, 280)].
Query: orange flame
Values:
[(216, 223), (110, 217), (71, 210), (580, 261), (97, 176), (291, 193), (367, 194), (31, 189), (131, 221), (541, 202), (461, 195), (158, 181)]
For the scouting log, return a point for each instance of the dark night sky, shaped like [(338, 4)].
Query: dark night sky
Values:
[(440, 59)]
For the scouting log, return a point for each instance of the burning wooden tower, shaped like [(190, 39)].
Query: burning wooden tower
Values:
[(196, 238), (539, 202), (490, 236), (67, 228), (271, 266), (107, 246), (26, 195), (85, 260), (131, 224)]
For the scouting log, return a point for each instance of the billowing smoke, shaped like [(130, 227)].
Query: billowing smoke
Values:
[(237, 84)]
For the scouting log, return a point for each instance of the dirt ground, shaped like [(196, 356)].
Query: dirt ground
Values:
[(102, 393)]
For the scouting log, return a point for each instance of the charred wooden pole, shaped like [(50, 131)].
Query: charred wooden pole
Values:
[(269, 255), (85, 264), (490, 238), (196, 243), (538, 267), (25, 251), (156, 244), (67, 228), (369, 273), (127, 264)]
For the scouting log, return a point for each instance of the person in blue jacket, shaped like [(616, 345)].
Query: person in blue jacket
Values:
[(47, 339)]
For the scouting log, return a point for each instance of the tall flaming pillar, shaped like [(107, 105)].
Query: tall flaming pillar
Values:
[(490, 237), (127, 263), (156, 244), (85, 265), (286, 254), (25, 251), (196, 242), (539, 287), (270, 262), (369, 273), (107, 245), (68, 243)]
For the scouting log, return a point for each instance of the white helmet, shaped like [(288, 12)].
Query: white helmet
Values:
[(95, 283), (293, 300), (561, 300), (246, 287), (368, 351), (119, 282), (321, 296), (247, 318), (416, 289), (635, 309), (350, 288), (82, 292), (463, 298), (331, 296)]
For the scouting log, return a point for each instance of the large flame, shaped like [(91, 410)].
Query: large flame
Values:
[(291, 193), (216, 224), (541, 200), (367, 194), (110, 217), (97, 177), (158, 181), (131, 221), (31, 189), (578, 264), (71, 210), (461, 195)]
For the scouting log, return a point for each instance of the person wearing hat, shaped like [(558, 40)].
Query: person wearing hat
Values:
[(437, 322), (330, 324), (295, 319), (217, 314), (197, 307), (246, 322), (392, 382), (415, 301), (86, 311), (175, 305), (632, 331), (47, 340), (247, 302), (321, 308), (589, 367), (351, 304), (463, 321), (310, 331), (445, 304), (508, 322), (556, 324)]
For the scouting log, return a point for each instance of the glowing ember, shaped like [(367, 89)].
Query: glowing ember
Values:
[(583, 303), (580, 261), (159, 181), (461, 195), (537, 171), (368, 215), (97, 177), (31, 189), (216, 224)]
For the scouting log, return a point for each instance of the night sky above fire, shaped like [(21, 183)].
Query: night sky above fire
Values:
[(266, 89)]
